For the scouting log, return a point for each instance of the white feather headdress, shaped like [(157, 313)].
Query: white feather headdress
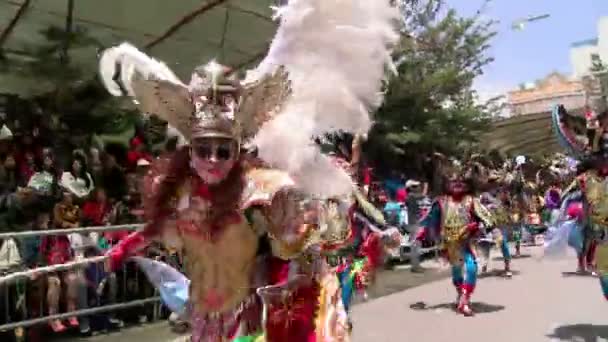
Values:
[(335, 53), (323, 73)]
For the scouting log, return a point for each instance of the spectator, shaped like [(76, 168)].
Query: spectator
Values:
[(77, 180), (395, 214), (44, 182), (66, 214), (96, 165), (96, 210), (27, 168), (413, 201), (6, 139), (30, 246), (136, 153), (113, 178), (56, 249), (8, 175), (13, 207)]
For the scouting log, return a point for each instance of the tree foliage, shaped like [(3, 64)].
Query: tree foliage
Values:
[(599, 70), (430, 104)]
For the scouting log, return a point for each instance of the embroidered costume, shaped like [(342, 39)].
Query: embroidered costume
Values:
[(583, 222), (253, 229), (454, 220)]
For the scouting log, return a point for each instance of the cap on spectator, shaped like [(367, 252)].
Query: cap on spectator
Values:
[(143, 162), (5, 133), (411, 183)]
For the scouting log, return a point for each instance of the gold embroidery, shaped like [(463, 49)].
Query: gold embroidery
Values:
[(596, 192), (454, 228)]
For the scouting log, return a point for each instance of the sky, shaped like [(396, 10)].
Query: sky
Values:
[(541, 48)]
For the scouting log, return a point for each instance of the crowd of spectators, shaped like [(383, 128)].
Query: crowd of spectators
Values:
[(44, 185)]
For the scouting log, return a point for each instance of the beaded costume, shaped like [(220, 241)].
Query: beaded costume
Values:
[(253, 229)]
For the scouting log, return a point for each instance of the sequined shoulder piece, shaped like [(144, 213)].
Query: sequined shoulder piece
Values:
[(262, 185)]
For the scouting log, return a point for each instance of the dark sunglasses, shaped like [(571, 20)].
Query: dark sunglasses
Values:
[(222, 151)]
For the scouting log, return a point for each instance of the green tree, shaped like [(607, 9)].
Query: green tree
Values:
[(599, 71), (430, 104)]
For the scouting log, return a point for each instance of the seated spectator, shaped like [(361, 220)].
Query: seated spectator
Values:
[(13, 208), (44, 181), (66, 214), (96, 165), (8, 175), (56, 249), (77, 180), (136, 153), (113, 178), (30, 246), (27, 168), (95, 211)]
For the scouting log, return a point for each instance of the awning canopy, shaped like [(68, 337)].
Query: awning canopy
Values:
[(530, 134), (184, 34)]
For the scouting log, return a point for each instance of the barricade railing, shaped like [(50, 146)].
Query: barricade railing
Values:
[(23, 292)]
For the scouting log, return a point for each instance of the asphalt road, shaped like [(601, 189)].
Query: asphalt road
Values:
[(388, 282), (544, 301)]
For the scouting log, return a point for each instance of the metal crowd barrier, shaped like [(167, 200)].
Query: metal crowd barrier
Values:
[(17, 309)]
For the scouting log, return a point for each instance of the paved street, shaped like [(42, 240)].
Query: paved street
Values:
[(542, 302)]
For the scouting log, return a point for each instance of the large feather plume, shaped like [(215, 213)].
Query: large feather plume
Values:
[(335, 53), (133, 64), (154, 87)]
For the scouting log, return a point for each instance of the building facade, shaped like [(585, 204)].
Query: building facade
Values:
[(581, 53), (545, 94)]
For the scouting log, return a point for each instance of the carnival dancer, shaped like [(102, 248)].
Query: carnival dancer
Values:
[(589, 189), (585, 206), (359, 255), (499, 233), (526, 206), (552, 204), (252, 235), (454, 220)]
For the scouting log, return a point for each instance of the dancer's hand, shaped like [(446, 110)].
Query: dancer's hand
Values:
[(473, 227)]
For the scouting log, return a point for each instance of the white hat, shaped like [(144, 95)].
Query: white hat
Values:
[(143, 162), (410, 183), (5, 133), (520, 160)]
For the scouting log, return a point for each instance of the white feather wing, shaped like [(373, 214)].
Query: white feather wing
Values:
[(335, 53), (152, 85)]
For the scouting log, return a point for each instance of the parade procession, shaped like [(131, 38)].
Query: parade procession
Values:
[(303, 170)]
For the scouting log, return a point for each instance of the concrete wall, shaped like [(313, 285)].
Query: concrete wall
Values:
[(580, 53)]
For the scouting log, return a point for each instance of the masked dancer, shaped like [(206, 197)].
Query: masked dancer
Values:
[(454, 221), (252, 230)]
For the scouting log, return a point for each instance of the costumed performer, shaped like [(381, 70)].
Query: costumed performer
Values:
[(498, 234), (454, 221), (358, 255), (251, 231)]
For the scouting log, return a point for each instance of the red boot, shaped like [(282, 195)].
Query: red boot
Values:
[(464, 305), (458, 296), (508, 272)]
